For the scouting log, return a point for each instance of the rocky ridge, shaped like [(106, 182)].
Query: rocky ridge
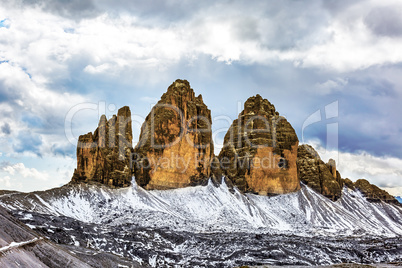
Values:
[(175, 150), (320, 176), (211, 226), (326, 180), (373, 193)]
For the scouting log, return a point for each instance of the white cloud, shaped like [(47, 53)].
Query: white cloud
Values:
[(331, 86), (33, 101), (19, 170), (395, 191), (150, 100), (48, 173), (5, 182), (46, 51), (344, 44), (110, 45)]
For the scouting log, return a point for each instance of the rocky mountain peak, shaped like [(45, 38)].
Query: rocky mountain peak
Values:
[(181, 85), (260, 150), (308, 152), (260, 153), (104, 156), (256, 105), (179, 90), (325, 179), (178, 132)]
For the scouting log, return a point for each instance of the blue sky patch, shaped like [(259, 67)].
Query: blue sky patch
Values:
[(4, 23), (32, 121), (69, 30), (25, 70), (28, 142)]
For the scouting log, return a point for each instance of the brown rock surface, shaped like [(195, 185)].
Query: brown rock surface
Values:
[(175, 147), (349, 183), (323, 178), (260, 150), (216, 171), (374, 193), (104, 156)]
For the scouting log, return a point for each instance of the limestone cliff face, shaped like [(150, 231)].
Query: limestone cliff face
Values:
[(323, 178), (260, 150), (175, 148), (104, 156)]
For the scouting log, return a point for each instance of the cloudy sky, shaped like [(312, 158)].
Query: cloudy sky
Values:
[(333, 68)]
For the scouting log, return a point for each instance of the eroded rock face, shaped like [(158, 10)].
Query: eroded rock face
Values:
[(260, 150), (348, 183), (323, 178), (374, 193), (104, 156), (175, 148)]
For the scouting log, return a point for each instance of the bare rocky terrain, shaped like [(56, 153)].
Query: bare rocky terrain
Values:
[(20, 246), (209, 226)]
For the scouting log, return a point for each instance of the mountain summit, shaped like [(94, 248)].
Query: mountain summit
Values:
[(260, 150), (175, 147), (260, 155)]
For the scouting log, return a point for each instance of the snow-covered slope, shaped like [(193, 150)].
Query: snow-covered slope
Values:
[(207, 226), (215, 209)]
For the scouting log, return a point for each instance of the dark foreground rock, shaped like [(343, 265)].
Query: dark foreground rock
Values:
[(20, 246), (34, 250), (165, 248)]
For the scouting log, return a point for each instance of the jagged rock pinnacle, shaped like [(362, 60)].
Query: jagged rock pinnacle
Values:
[(175, 148), (260, 150)]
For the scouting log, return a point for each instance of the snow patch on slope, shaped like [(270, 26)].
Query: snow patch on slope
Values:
[(19, 244)]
